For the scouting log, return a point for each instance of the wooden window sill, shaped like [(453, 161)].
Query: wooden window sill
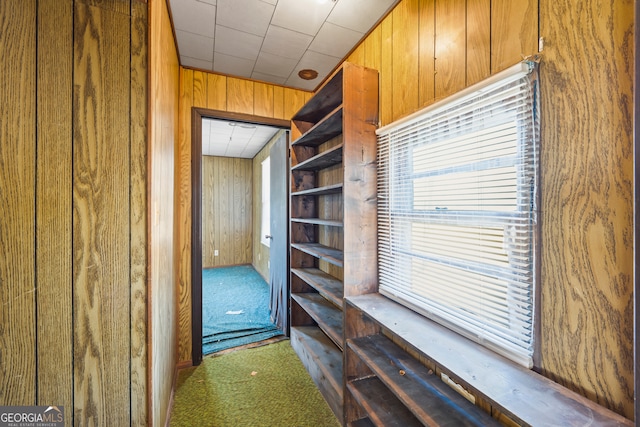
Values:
[(523, 395)]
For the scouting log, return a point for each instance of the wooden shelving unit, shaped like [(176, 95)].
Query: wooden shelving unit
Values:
[(386, 386), (333, 219)]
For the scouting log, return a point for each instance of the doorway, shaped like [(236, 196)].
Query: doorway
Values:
[(220, 253)]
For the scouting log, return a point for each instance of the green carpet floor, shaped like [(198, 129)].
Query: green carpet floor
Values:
[(262, 387)]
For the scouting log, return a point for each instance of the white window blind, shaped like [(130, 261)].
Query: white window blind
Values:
[(457, 186)]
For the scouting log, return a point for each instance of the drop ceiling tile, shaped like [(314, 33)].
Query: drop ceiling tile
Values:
[(213, 2), (274, 65), (287, 43), (304, 16), (194, 16), (270, 1), (232, 65), (186, 61), (237, 43), (359, 15), (250, 16), (323, 64), (268, 78), (195, 45), (334, 40)]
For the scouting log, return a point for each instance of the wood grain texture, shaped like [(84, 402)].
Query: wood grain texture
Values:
[(587, 219), (17, 209), (263, 99), (139, 209), (183, 201), (293, 101), (278, 103), (478, 40), (405, 57), (101, 217), (239, 95), (162, 281), (357, 55), (386, 71), (426, 41), (216, 92), (219, 98), (53, 195), (373, 49), (514, 31), (200, 91), (450, 47), (226, 206)]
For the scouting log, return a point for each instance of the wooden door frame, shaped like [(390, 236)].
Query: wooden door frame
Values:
[(196, 210)]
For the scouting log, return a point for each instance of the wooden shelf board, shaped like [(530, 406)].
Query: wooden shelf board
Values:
[(513, 390), (362, 422), (331, 157), (320, 191), (318, 221), (331, 255), (423, 393), (383, 408), (326, 98), (323, 361), (327, 285), (326, 129), (324, 313)]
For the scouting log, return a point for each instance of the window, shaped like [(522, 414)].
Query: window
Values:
[(457, 212), (266, 205)]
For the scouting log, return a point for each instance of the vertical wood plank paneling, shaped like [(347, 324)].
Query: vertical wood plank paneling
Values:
[(405, 58), (373, 49), (216, 92), (101, 217), (514, 31), (239, 95), (263, 99), (208, 220), (200, 91), (278, 103), (293, 101), (138, 197), (427, 36), (226, 211), (53, 195), (226, 94), (164, 245), (357, 56), (478, 40), (225, 203), (184, 211), (17, 209), (450, 47), (587, 218), (386, 74)]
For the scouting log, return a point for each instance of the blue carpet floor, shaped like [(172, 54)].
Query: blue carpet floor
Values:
[(235, 308)]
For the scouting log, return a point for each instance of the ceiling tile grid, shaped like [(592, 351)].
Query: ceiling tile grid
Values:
[(272, 40)]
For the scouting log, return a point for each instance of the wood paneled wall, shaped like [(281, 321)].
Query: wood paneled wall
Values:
[(164, 96), (260, 252), (205, 90), (426, 49), (73, 222), (587, 199), (226, 211)]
